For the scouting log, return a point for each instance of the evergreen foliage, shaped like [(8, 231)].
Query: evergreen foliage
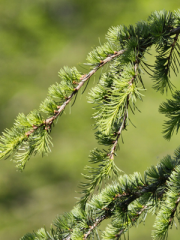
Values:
[(128, 199)]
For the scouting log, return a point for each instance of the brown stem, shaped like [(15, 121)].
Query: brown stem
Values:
[(175, 31), (111, 155), (173, 211), (96, 223), (84, 78)]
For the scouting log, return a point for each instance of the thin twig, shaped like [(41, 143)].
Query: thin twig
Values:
[(48, 122), (175, 31), (96, 223), (83, 80), (173, 211)]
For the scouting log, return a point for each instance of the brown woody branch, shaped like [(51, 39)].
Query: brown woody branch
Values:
[(48, 122), (96, 223), (175, 31)]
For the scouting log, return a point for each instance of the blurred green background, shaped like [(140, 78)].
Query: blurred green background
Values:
[(37, 38)]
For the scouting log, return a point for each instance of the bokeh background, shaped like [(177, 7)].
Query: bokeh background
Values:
[(37, 38)]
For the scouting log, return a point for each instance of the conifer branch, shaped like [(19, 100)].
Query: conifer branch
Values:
[(130, 190), (49, 121), (116, 202), (33, 131)]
